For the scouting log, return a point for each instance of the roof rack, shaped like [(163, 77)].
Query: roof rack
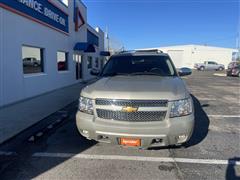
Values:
[(142, 51), (150, 50), (128, 51)]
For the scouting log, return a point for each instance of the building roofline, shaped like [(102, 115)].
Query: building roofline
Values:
[(187, 45), (89, 27), (140, 53), (93, 30)]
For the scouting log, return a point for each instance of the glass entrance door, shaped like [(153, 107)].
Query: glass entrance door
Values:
[(78, 60)]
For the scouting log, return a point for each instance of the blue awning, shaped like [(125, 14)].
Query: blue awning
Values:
[(84, 46), (105, 53)]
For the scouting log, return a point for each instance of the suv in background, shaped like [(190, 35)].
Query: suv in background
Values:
[(233, 69), (209, 65), (139, 100), (31, 61)]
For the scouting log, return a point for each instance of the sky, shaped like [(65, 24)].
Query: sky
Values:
[(156, 23)]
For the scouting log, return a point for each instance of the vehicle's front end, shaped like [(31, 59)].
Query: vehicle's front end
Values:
[(233, 72), (196, 66), (143, 123), (233, 69), (199, 66)]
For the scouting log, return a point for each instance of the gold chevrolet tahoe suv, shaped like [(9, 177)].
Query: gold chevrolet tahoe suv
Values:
[(139, 100)]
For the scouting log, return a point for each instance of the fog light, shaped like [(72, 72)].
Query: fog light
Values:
[(105, 137), (85, 132), (158, 140), (181, 138)]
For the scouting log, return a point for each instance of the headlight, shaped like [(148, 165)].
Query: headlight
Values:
[(86, 105), (181, 107)]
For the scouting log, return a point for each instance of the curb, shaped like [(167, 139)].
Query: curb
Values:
[(49, 127)]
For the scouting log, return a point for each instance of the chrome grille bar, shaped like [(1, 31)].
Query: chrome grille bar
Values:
[(133, 103)]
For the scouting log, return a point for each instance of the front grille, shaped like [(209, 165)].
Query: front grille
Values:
[(133, 103), (140, 116)]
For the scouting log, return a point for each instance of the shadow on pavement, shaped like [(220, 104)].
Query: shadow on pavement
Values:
[(64, 139), (231, 169), (201, 125)]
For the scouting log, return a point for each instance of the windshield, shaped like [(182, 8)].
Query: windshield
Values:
[(139, 65)]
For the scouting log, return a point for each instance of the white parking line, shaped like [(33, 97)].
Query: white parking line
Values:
[(137, 158), (219, 74), (226, 116)]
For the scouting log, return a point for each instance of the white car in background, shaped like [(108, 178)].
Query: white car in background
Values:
[(209, 65), (31, 61)]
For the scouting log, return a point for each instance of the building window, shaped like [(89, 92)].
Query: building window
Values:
[(62, 61), (96, 63), (89, 62), (32, 59)]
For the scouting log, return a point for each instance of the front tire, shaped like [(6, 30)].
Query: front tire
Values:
[(220, 69), (201, 68)]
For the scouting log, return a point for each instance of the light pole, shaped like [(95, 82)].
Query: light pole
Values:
[(107, 38)]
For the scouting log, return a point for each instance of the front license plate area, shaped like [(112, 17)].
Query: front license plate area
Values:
[(130, 142)]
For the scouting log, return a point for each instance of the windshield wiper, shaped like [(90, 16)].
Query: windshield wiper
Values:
[(114, 74), (146, 73), (133, 74)]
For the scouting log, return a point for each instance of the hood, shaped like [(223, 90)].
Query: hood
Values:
[(137, 87)]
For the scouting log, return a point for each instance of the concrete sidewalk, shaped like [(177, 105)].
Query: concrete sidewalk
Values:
[(17, 117)]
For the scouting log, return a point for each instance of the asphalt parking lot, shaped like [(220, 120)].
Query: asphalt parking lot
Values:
[(213, 152)]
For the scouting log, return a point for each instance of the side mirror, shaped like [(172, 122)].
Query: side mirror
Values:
[(184, 71), (95, 72)]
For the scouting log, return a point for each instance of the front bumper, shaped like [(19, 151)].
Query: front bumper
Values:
[(170, 131), (231, 72)]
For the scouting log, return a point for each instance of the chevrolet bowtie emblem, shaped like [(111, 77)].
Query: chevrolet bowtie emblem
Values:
[(129, 109)]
